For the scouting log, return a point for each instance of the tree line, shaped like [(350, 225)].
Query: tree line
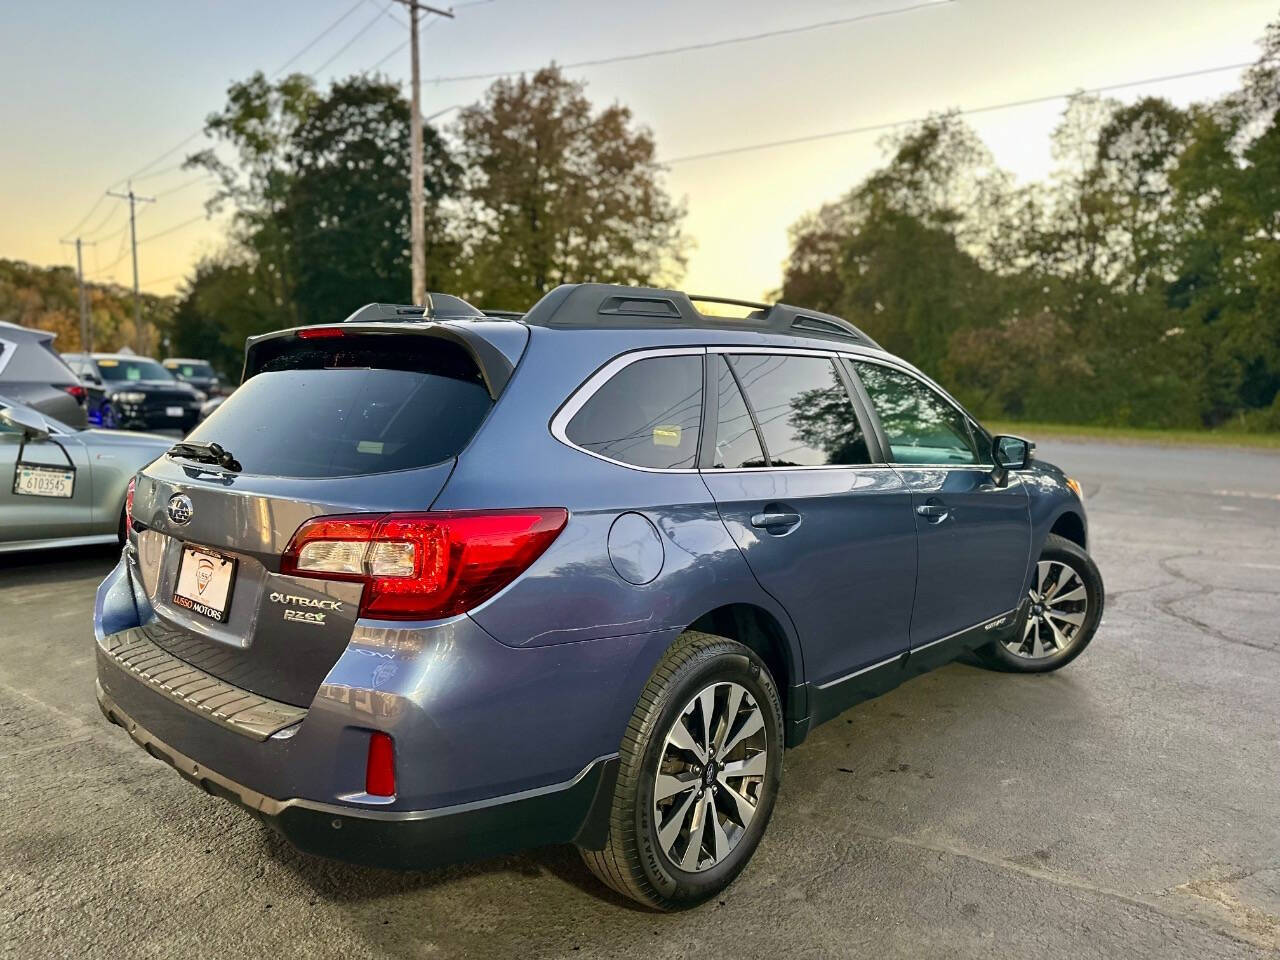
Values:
[(532, 188), (1140, 286)]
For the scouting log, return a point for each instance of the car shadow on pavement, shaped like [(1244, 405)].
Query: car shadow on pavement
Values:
[(73, 563), (339, 882)]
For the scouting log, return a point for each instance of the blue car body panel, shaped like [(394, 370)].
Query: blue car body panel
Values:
[(520, 704)]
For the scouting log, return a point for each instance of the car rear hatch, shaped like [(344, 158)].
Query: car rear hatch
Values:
[(353, 419)]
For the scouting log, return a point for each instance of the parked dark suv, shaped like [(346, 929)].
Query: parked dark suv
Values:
[(431, 587), (199, 373), (126, 390)]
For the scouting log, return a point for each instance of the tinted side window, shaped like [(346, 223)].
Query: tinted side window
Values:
[(647, 414), (737, 444), (803, 410), (920, 425)]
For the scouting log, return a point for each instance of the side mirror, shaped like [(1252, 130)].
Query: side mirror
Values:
[(30, 424), (1012, 453), (91, 379)]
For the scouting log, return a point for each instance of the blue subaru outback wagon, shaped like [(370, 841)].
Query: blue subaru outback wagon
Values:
[(435, 585)]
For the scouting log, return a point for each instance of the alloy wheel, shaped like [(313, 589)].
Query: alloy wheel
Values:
[(1059, 606), (710, 776)]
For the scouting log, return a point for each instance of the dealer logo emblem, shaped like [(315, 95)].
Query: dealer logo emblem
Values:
[(180, 508)]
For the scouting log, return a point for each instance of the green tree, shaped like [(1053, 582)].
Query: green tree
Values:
[(555, 192), (320, 185)]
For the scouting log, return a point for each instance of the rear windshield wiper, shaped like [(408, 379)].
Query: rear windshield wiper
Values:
[(205, 453)]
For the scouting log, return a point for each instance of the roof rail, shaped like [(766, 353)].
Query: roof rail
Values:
[(504, 314), (599, 305)]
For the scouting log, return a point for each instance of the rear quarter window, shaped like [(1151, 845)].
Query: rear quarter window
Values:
[(352, 406), (647, 415)]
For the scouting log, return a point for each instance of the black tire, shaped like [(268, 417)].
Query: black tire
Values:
[(633, 862), (998, 656)]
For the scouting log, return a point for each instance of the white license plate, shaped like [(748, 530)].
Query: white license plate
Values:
[(173, 411), (204, 582), (36, 481)]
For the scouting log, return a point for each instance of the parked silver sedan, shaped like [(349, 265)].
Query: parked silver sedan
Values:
[(61, 486)]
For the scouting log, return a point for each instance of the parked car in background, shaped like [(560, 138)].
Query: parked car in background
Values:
[(433, 587), (135, 393), (61, 486), (210, 405), (31, 372), (199, 373)]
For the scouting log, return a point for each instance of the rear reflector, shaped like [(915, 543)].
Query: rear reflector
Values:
[(423, 566), (380, 773), (320, 333)]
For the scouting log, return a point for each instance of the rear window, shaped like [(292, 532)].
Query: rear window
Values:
[(351, 406), (647, 415)]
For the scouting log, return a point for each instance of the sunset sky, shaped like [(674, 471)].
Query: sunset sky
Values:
[(96, 92)]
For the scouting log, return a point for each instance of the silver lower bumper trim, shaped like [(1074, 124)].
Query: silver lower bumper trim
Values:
[(272, 807), (200, 692)]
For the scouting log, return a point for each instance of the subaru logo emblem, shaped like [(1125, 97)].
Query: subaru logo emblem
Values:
[(180, 508)]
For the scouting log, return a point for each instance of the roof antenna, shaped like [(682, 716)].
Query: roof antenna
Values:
[(428, 308)]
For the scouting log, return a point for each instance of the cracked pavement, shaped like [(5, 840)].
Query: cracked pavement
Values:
[(1126, 806)]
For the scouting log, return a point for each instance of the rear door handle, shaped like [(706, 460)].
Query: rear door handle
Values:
[(775, 521), (933, 512)]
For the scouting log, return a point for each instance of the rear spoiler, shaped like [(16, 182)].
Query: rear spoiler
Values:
[(495, 351)]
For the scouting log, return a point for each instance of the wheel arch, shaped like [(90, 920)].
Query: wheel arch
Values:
[(761, 631), (1070, 525)]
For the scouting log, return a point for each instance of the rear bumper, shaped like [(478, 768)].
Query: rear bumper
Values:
[(497, 749), (576, 811)]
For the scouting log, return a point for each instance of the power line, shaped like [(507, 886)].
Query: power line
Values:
[(320, 36), (890, 125), (85, 218), (204, 178), (102, 224), (164, 233), (358, 34), (137, 174), (707, 45)]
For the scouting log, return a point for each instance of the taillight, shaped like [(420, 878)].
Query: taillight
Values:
[(77, 391), (128, 505), (423, 566), (380, 771), (320, 333)]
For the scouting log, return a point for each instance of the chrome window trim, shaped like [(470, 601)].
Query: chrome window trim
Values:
[(902, 367), (578, 399), (716, 471), (788, 351)]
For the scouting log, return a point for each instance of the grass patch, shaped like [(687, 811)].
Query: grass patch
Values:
[(1198, 438)]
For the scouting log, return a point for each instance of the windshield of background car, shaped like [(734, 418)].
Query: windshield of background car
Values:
[(352, 406), (187, 371), (130, 370)]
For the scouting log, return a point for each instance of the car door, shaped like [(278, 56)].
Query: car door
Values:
[(25, 517), (826, 530), (974, 533)]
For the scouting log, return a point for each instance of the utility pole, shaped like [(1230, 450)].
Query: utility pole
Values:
[(139, 340), (417, 211), (86, 336)]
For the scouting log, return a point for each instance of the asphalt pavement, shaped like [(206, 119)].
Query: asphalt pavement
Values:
[(1127, 806)]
